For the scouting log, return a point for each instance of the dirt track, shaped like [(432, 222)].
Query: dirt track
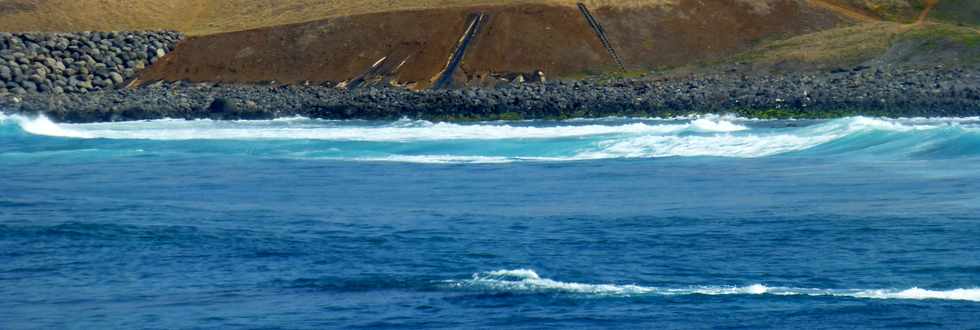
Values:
[(515, 39)]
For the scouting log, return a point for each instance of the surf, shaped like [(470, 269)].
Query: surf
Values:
[(418, 141), (527, 281)]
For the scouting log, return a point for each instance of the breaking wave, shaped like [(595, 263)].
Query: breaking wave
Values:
[(500, 142), (306, 129), (528, 281)]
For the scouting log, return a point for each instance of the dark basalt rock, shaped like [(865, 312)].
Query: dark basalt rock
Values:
[(221, 106), (47, 58), (906, 92)]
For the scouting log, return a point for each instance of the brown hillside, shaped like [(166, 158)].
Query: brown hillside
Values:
[(213, 16), (514, 39), (199, 17)]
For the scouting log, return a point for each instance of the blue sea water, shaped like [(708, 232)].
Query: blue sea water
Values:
[(702, 222)]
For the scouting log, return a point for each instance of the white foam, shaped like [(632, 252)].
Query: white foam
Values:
[(751, 144), (921, 294), (725, 145), (940, 120), (400, 131), (710, 135), (893, 125), (526, 280), (716, 125), (440, 159), (458, 159), (693, 117), (42, 126), (390, 133), (519, 273), (529, 281)]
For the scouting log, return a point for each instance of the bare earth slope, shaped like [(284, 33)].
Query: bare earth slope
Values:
[(410, 42), (555, 39), (213, 16), (198, 17)]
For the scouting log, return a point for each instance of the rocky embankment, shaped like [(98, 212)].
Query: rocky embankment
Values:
[(856, 91), (77, 62)]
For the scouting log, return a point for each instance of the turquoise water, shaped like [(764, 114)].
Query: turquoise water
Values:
[(702, 222)]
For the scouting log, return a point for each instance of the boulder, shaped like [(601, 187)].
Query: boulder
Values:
[(22, 58), (221, 106), (6, 73), (30, 86), (101, 83), (539, 77), (116, 78), (85, 85), (77, 62), (51, 63)]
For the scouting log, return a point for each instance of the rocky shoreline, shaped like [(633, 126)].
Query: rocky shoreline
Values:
[(887, 91), (77, 62)]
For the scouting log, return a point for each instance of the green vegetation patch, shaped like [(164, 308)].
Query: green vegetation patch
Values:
[(841, 46), (937, 33), (965, 12)]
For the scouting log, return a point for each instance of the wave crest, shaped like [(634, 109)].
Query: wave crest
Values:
[(716, 124), (399, 131), (417, 141), (41, 126), (530, 282)]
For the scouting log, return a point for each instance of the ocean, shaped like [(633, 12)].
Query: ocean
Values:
[(687, 223)]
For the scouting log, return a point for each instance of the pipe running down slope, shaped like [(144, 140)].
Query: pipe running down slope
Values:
[(601, 33), (446, 77)]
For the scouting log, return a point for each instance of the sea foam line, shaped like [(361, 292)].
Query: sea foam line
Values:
[(712, 136), (528, 281), (298, 128), (396, 132), (305, 129)]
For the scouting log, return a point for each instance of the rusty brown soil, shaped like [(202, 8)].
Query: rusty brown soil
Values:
[(555, 39)]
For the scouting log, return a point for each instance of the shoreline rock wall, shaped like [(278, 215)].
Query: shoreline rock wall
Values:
[(77, 62), (895, 92)]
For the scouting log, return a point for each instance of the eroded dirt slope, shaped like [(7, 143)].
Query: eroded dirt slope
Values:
[(199, 17), (555, 39)]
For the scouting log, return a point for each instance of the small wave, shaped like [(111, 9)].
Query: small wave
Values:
[(716, 125), (919, 294), (41, 126), (400, 131), (419, 141), (298, 128), (441, 159), (746, 146), (528, 281)]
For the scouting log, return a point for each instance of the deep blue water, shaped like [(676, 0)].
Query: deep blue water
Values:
[(715, 222)]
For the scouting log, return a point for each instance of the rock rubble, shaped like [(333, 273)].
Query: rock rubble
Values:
[(81, 62), (895, 92)]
